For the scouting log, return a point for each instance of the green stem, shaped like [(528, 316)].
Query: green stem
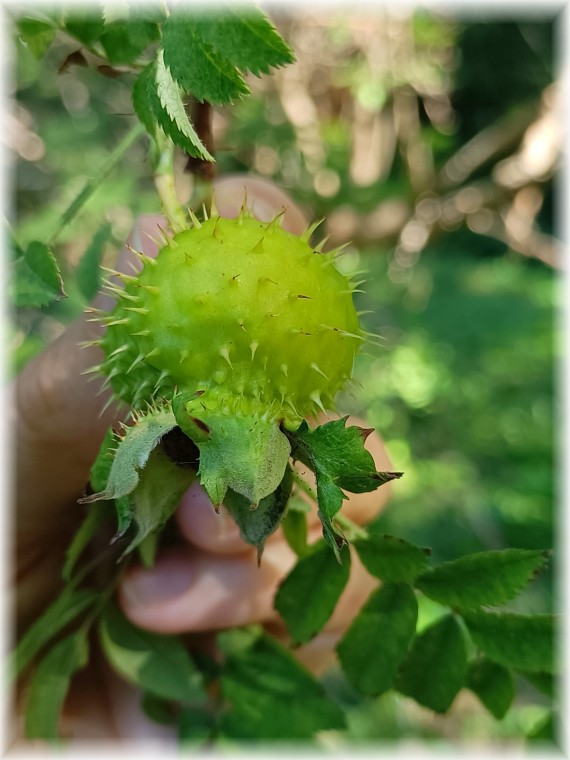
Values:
[(164, 182), (304, 486), (97, 180), (351, 530)]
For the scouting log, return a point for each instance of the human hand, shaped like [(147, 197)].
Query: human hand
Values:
[(211, 581)]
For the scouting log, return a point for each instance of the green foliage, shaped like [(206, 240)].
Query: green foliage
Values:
[(523, 642), (67, 607), (37, 34), (493, 684), (336, 454), (88, 275), (50, 684), (436, 666), (294, 526), (270, 696), (392, 559), (93, 520), (159, 665), (378, 638), (318, 580), (487, 578), (36, 279)]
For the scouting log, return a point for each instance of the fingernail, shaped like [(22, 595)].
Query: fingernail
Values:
[(166, 581)]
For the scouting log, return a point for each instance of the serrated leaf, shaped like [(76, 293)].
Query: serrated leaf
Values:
[(378, 639), (392, 559), (93, 520), (256, 525), (67, 607), (157, 664), (133, 452), (124, 40), (486, 578), (86, 25), (245, 38), (153, 111), (36, 34), (37, 280), (194, 64), (294, 526), (336, 454), (88, 273), (307, 597), (50, 684), (269, 695), (436, 666), (493, 684), (522, 642), (152, 501)]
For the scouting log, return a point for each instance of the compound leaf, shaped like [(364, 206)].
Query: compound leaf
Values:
[(257, 524), (522, 642), (378, 639), (124, 40), (493, 684), (37, 280), (336, 454), (392, 559), (486, 578), (269, 695), (436, 666), (157, 664), (307, 597), (67, 607), (194, 63), (245, 38), (50, 684)]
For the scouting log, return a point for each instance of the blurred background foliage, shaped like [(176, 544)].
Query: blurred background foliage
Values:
[(431, 141)]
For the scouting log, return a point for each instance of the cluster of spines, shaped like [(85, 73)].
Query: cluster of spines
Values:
[(151, 390)]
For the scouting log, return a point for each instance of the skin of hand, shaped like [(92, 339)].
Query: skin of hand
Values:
[(212, 582)]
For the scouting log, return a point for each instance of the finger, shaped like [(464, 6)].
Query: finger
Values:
[(56, 419), (197, 591)]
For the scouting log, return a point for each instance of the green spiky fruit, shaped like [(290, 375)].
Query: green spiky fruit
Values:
[(246, 328)]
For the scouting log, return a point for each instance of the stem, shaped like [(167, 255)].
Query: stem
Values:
[(97, 180), (164, 182), (304, 486)]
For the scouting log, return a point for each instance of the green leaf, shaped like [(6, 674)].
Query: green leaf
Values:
[(307, 597), (50, 685), (86, 25), (157, 101), (245, 38), (486, 578), (336, 454), (493, 684), (133, 452), (36, 34), (436, 666), (93, 520), (256, 525), (157, 664), (159, 710), (89, 270), (294, 526), (124, 40), (153, 502), (67, 607), (392, 559), (195, 725), (378, 639), (194, 64), (37, 281), (269, 695), (545, 730), (99, 477), (522, 642)]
